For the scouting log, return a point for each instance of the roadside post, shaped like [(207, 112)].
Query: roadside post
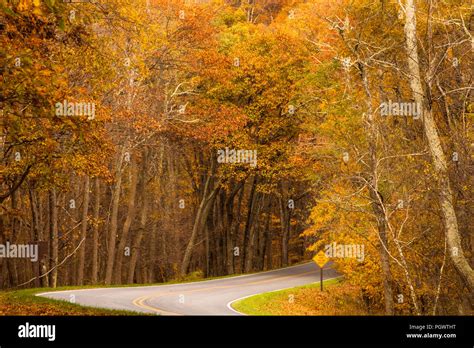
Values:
[(321, 259)]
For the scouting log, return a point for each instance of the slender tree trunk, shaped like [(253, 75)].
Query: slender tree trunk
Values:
[(44, 263), (248, 223), (268, 245), (207, 261), (263, 242), (95, 235), (375, 197), (164, 255), (252, 232), (285, 225), (128, 221), (199, 221), (153, 252), (113, 221), (36, 238), (384, 257), (143, 219), (438, 157), (227, 226), (82, 249), (53, 224), (12, 263), (236, 228), (3, 264)]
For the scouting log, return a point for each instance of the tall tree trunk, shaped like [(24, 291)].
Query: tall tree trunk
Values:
[(246, 264), (383, 252), (13, 236), (285, 224), (153, 252), (53, 225), (445, 194), (43, 236), (164, 257), (137, 240), (3, 264), (143, 219), (253, 232), (95, 235), (229, 226), (376, 200), (207, 262), (201, 216), (36, 238), (113, 221), (82, 249), (268, 244), (44, 261), (236, 227), (128, 220), (220, 246), (264, 236)]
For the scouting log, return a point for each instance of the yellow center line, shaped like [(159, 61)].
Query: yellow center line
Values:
[(141, 301)]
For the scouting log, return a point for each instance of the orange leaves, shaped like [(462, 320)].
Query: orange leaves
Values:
[(30, 5), (213, 122)]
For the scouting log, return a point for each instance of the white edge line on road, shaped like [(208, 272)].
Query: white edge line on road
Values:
[(229, 304), (167, 285)]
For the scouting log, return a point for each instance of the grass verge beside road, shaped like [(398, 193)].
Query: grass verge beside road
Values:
[(337, 298), (24, 302)]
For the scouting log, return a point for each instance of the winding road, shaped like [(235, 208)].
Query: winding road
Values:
[(209, 297)]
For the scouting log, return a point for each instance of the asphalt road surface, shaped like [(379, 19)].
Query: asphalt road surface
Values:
[(210, 297)]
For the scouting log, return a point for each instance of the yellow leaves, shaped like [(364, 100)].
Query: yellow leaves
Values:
[(322, 214), (45, 73), (30, 5), (24, 5)]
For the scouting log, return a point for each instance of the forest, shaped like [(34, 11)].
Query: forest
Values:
[(147, 141)]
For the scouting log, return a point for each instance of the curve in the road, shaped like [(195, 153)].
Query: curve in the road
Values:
[(210, 297)]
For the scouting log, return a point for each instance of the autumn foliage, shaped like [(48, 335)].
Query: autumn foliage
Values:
[(135, 193)]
